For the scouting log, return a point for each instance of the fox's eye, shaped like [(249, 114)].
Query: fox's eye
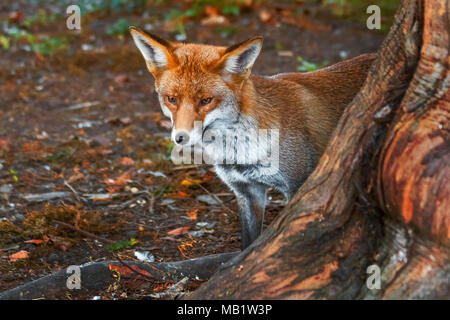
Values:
[(172, 100), (205, 101)]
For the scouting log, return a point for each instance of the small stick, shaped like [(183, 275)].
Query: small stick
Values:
[(192, 166), (151, 204), (87, 234), (218, 200), (73, 190)]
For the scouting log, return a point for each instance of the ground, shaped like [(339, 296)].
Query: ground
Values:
[(84, 121)]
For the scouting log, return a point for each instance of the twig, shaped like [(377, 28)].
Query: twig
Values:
[(217, 199), (87, 234), (127, 203), (151, 204), (192, 166), (73, 190), (135, 271)]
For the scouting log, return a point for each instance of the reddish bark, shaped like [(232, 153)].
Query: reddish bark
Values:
[(380, 193)]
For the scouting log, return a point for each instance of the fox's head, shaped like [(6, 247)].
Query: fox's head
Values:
[(197, 82)]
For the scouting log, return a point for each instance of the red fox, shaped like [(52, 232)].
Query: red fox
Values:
[(214, 85)]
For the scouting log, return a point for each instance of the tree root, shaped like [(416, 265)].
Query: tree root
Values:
[(96, 276)]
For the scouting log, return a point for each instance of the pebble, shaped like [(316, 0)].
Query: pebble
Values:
[(6, 188)]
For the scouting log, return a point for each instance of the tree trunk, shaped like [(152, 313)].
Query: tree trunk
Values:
[(380, 194)]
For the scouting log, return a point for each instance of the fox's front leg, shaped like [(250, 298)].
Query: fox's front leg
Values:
[(251, 200)]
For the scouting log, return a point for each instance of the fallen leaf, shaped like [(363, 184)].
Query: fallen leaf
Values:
[(19, 255), (183, 194), (188, 182), (122, 244), (124, 270), (34, 241), (215, 21), (123, 179), (75, 177), (178, 231), (193, 214), (126, 161)]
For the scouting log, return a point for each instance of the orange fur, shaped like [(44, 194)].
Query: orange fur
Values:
[(303, 107)]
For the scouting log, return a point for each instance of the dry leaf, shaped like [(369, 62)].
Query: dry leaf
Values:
[(193, 214), (183, 194), (178, 231), (19, 255), (75, 177), (123, 179), (34, 241), (124, 270), (215, 21), (188, 182), (127, 161)]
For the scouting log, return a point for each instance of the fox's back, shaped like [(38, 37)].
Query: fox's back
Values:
[(311, 103)]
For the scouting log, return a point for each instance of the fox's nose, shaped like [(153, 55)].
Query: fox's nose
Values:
[(181, 138)]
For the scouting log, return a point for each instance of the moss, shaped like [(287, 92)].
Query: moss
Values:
[(9, 232), (38, 224)]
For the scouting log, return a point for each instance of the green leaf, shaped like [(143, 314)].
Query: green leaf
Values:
[(4, 41), (14, 174), (60, 155), (123, 244)]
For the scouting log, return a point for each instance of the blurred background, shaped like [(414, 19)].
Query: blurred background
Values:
[(83, 141), (301, 34)]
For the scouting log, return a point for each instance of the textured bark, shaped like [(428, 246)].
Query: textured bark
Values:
[(380, 193), (96, 276)]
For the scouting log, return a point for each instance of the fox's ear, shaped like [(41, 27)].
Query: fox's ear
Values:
[(157, 52), (239, 59)]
